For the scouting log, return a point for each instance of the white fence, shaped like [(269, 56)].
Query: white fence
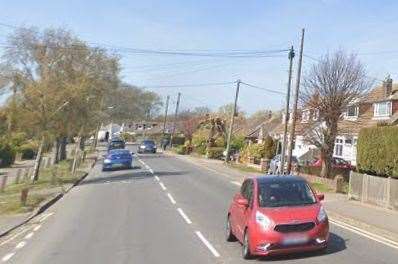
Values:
[(374, 190)]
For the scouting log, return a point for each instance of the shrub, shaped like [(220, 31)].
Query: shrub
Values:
[(181, 149), (215, 153), (199, 139), (377, 151), (28, 150), (7, 154), (258, 151), (128, 137), (237, 142), (178, 140)]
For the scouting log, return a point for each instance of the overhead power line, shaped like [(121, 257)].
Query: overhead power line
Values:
[(262, 88), (187, 85)]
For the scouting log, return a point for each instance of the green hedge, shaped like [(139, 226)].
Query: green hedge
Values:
[(7, 155), (178, 140), (215, 153), (180, 149), (377, 151)]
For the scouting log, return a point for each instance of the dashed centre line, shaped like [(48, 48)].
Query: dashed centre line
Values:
[(171, 198), (207, 244), (162, 185), (181, 212), (183, 215)]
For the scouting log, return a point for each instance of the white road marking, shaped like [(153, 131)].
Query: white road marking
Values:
[(184, 216), (171, 198), (150, 170), (157, 178), (20, 245), (162, 185), (359, 231), (207, 244), (15, 236), (236, 183), (7, 257), (28, 236), (36, 228), (45, 217)]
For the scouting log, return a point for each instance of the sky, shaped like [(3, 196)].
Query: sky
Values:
[(364, 27)]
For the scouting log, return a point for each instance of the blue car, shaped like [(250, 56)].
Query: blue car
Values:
[(117, 159)]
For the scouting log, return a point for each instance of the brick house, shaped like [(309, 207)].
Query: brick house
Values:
[(380, 105)]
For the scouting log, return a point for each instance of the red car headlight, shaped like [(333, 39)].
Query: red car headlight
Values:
[(322, 216), (263, 220)]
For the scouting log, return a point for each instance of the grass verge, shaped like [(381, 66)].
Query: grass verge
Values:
[(244, 168), (52, 180), (320, 187)]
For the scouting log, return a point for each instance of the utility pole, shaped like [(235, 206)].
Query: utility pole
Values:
[(234, 113), (175, 119), (286, 118), (165, 114), (296, 95)]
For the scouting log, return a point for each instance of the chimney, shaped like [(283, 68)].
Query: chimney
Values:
[(387, 85)]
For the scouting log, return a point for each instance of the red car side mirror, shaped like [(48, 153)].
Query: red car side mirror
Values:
[(242, 202), (321, 197)]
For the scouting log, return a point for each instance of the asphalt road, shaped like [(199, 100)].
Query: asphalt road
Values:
[(165, 210)]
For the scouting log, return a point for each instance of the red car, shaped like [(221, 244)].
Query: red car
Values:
[(277, 215), (336, 163)]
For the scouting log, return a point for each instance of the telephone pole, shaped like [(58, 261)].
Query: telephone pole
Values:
[(296, 95), (165, 114), (234, 113), (286, 117), (175, 119)]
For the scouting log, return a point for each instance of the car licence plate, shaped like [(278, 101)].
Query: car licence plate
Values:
[(117, 165), (294, 240)]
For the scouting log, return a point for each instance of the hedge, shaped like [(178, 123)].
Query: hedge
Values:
[(178, 140), (377, 151), (180, 149), (7, 155), (215, 153)]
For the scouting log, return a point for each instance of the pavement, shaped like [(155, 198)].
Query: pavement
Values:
[(165, 210)]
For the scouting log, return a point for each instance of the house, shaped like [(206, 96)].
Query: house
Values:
[(380, 105), (140, 127), (263, 129)]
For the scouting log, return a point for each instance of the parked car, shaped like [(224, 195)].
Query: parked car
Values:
[(274, 215), (117, 159), (337, 163), (116, 143), (147, 146), (275, 163)]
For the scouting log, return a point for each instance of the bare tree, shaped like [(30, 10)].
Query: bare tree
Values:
[(329, 88)]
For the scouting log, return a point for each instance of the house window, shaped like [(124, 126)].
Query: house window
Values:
[(338, 147), (352, 111), (382, 109), (315, 116), (305, 116)]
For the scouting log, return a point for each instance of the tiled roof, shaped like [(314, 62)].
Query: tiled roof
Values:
[(378, 94)]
